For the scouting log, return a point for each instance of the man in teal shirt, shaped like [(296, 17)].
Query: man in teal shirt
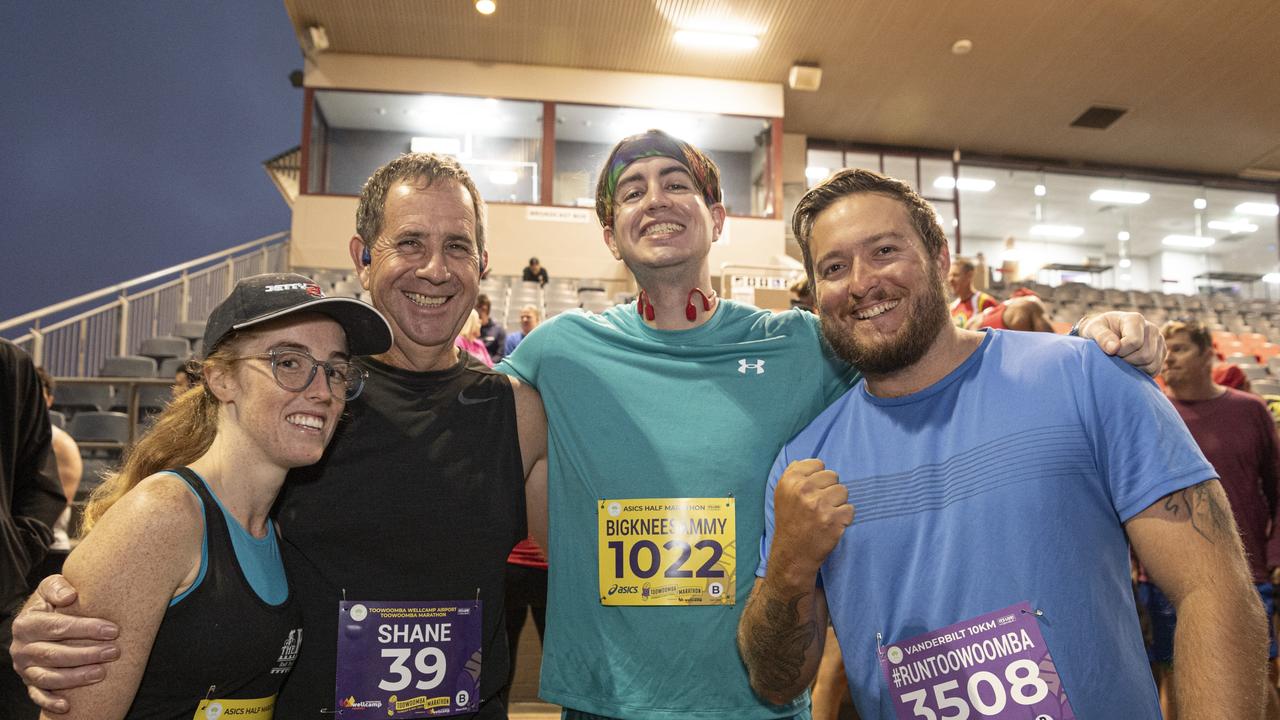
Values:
[(664, 418)]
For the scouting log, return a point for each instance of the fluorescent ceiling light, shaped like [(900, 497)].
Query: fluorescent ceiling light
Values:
[(717, 40), (1257, 208), (438, 145), (946, 182), (1187, 241), (1233, 226), (1125, 197), (504, 177), (1271, 278), (1057, 231), (1122, 235), (1200, 203), (1041, 190), (1125, 262), (817, 174)]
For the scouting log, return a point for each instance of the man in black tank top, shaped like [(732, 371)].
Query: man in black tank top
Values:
[(421, 493)]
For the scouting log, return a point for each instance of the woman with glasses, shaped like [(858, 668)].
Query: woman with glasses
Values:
[(182, 554)]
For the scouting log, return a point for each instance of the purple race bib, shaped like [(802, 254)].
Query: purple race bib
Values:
[(992, 666), (409, 659)]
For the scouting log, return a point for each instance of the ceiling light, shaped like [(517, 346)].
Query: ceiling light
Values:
[(1122, 235), (962, 47), (804, 77), (946, 182), (486, 7), (1125, 197), (1271, 278), (816, 174), (1187, 241), (1041, 190), (1257, 208), (504, 177), (1233, 226), (717, 40), (1200, 203), (1057, 231), (1125, 262)]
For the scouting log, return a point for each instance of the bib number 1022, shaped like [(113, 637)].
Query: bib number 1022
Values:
[(644, 559), (984, 692), (428, 661)]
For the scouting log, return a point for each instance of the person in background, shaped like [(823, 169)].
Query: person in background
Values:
[(529, 319), (493, 335), (1024, 312), (70, 468), (1235, 432), (31, 498), (184, 378), (526, 594), (534, 272), (802, 294), (968, 302), (1230, 375), (469, 340)]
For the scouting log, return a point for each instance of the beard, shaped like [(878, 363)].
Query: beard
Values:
[(927, 315)]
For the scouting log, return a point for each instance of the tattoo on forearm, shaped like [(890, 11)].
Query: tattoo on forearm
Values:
[(1199, 505), (775, 650)]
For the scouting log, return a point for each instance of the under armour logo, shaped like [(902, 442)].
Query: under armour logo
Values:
[(743, 366)]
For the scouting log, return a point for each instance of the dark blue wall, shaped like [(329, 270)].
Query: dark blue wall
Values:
[(132, 135)]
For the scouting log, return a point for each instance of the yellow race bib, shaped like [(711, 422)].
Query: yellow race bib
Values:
[(667, 551), (255, 709)]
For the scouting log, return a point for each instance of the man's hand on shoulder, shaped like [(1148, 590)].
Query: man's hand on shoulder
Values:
[(1128, 336), (54, 651)]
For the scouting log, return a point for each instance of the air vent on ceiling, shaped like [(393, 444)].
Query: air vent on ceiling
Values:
[(1098, 117)]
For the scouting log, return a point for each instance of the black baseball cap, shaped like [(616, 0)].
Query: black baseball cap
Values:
[(259, 298)]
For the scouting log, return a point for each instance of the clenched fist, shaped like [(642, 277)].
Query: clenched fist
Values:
[(811, 510)]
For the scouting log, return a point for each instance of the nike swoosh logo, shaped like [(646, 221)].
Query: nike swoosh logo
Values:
[(462, 398)]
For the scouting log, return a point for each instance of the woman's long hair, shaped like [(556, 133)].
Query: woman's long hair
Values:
[(181, 434)]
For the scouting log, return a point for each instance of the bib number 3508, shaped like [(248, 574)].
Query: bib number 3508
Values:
[(985, 692)]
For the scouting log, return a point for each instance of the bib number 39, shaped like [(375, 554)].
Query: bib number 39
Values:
[(429, 662), (984, 692)]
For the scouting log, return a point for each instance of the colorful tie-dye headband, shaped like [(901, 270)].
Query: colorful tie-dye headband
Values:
[(655, 143)]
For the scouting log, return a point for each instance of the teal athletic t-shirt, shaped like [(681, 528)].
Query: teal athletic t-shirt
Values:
[(634, 412)]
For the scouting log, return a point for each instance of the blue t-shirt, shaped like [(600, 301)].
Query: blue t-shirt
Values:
[(634, 412), (952, 523)]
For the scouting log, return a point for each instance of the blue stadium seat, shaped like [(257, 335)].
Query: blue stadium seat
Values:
[(165, 347), (72, 399), (128, 366), (100, 427)]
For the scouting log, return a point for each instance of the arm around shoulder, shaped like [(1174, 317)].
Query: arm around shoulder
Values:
[(141, 553), (531, 421)]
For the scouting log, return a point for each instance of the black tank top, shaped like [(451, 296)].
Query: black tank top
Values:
[(222, 642), (420, 496)]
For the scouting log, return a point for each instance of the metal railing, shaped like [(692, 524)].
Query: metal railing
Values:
[(69, 341)]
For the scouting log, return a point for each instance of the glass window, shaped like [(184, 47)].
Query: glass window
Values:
[(498, 141), (585, 134), (821, 163), (863, 160)]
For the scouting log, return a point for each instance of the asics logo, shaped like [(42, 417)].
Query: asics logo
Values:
[(743, 366)]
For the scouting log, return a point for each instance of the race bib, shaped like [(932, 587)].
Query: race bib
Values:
[(255, 709), (993, 666), (667, 551), (409, 659)]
